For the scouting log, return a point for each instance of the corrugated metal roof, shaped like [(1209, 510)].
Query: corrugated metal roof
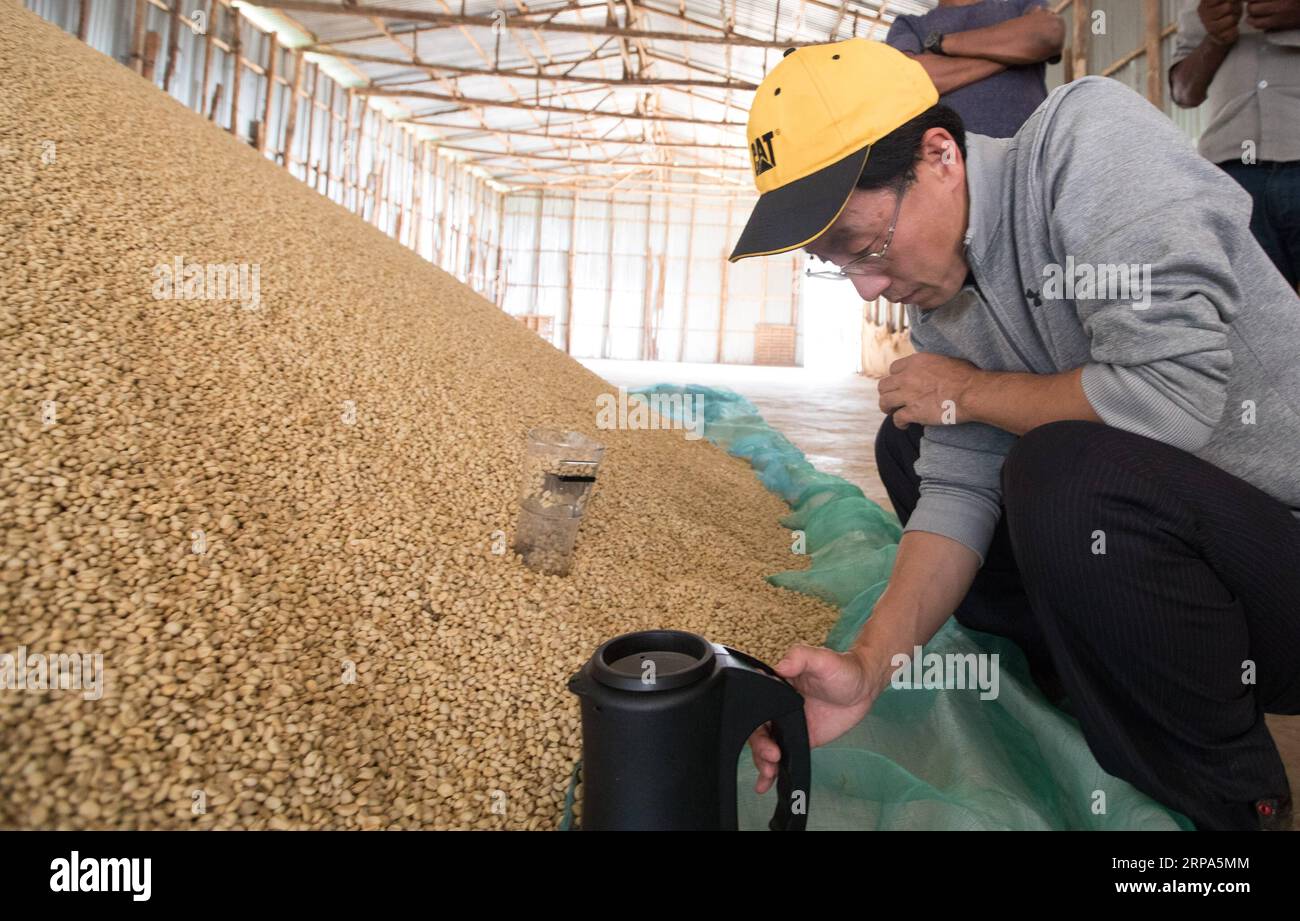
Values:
[(391, 61)]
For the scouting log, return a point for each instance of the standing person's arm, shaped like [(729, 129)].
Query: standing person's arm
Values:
[(1209, 34), (947, 73), (1036, 36), (951, 74)]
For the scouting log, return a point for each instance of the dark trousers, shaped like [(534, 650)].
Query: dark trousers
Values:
[(1170, 645), (1275, 220)]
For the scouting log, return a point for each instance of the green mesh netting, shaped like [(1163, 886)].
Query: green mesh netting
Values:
[(921, 759)]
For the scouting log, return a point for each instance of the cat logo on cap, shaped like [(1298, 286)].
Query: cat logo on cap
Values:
[(764, 157)]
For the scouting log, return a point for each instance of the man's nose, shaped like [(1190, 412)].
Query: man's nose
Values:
[(869, 287)]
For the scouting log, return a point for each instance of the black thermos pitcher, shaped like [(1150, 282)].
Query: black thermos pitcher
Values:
[(665, 715)]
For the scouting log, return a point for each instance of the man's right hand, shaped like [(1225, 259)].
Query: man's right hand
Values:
[(838, 691), (931, 575), (1220, 18)]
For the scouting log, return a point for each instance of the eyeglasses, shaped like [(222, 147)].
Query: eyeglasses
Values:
[(859, 264)]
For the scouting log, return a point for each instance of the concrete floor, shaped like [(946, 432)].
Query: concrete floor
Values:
[(833, 420)]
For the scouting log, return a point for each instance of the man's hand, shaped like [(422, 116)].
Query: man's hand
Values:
[(1272, 15), (1220, 19), (838, 691), (926, 388), (1190, 78)]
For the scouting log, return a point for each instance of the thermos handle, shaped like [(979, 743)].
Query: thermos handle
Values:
[(794, 774), (750, 706)]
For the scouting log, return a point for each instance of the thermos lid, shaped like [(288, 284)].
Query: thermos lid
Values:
[(653, 660)]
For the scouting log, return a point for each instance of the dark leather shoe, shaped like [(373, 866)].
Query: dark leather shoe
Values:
[(1274, 814)]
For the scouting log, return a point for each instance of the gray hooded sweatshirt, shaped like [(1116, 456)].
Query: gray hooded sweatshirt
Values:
[(1098, 237)]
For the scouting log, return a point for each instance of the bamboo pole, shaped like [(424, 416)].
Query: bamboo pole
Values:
[(643, 347), (309, 162), (722, 299), (686, 283), (796, 292), (264, 131), (400, 171), (1155, 64), (208, 49), (291, 117), (663, 279), (1121, 62), (484, 239), (392, 175), (173, 44), (537, 252), (236, 44), (404, 189), (474, 265), (498, 289), (379, 165), (329, 142), (371, 138), (367, 137), (152, 42), (351, 156), (423, 191), (568, 277), (392, 157), (479, 282), (418, 193), (137, 36), (399, 207), (454, 216), (440, 205), (609, 282), (486, 236), (1082, 9)]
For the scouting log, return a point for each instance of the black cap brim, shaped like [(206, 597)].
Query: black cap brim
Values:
[(798, 213)]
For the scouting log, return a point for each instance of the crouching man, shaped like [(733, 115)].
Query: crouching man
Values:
[(1096, 449)]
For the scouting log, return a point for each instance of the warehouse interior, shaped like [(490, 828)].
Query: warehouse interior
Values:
[(285, 515)]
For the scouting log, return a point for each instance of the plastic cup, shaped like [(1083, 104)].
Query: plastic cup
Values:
[(559, 472)]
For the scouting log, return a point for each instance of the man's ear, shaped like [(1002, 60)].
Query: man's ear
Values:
[(939, 148)]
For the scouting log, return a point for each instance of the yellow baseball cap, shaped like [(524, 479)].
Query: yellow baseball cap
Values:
[(811, 127)]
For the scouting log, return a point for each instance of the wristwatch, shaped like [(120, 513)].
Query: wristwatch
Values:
[(934, 43)]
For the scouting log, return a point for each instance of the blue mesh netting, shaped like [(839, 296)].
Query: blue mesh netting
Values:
[(921, 759)]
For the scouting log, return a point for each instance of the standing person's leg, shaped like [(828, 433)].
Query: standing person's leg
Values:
[(996, 602), (1174, 641), (1254, 178), (1283, 193)]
